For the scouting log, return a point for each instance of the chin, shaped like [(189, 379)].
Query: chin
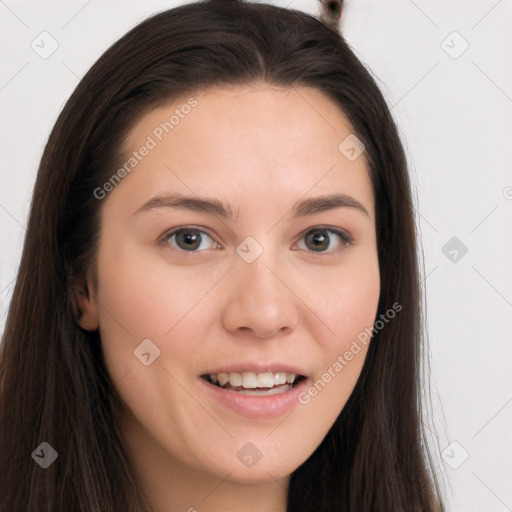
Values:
[(251, 465)]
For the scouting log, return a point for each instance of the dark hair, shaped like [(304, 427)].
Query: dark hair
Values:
[(54, 386)]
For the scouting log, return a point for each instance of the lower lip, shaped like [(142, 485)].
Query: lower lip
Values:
[(251, 406)]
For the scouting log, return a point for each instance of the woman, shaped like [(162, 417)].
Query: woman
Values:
[(217, 306)]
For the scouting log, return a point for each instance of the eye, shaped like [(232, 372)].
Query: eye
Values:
[(189, 239), (319, 240)]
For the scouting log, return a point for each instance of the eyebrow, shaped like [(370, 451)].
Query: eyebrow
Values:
[(213, 206)]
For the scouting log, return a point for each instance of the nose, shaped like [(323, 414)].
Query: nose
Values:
[(260, 301)]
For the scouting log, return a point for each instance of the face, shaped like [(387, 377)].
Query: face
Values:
[(263, 289)]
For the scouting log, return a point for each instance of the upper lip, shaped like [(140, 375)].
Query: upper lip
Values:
[(256, 367)]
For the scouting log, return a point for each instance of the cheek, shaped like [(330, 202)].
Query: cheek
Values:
[(148, 298), (138, 301), (355, 304), (349, 308), (348, 303)]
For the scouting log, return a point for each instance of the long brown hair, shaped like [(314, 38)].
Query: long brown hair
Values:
[(54, 386)]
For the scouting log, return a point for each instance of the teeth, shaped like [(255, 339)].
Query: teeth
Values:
[(280, 378), (265, 380), (222, 378), (251, 380), (235, 379), (266, 392)]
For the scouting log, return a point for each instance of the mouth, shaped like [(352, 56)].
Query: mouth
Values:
[(256, 384)]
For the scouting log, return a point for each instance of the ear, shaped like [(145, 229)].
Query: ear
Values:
[(86, 309)]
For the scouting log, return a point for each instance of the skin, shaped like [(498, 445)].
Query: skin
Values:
[(259, 148)]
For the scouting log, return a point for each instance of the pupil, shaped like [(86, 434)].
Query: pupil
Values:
[(320, 240), (192, 241)]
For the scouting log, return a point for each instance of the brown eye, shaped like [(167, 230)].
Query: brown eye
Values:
[(322, 239), (189, 239)]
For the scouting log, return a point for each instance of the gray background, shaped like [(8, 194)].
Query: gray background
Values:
[(453, 106)]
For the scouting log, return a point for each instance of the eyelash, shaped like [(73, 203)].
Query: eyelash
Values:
[(346, 239)]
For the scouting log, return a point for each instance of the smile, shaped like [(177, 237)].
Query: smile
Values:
[(256, 395), (255, 383)]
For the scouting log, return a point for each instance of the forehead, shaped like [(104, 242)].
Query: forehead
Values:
[(240, 140)]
